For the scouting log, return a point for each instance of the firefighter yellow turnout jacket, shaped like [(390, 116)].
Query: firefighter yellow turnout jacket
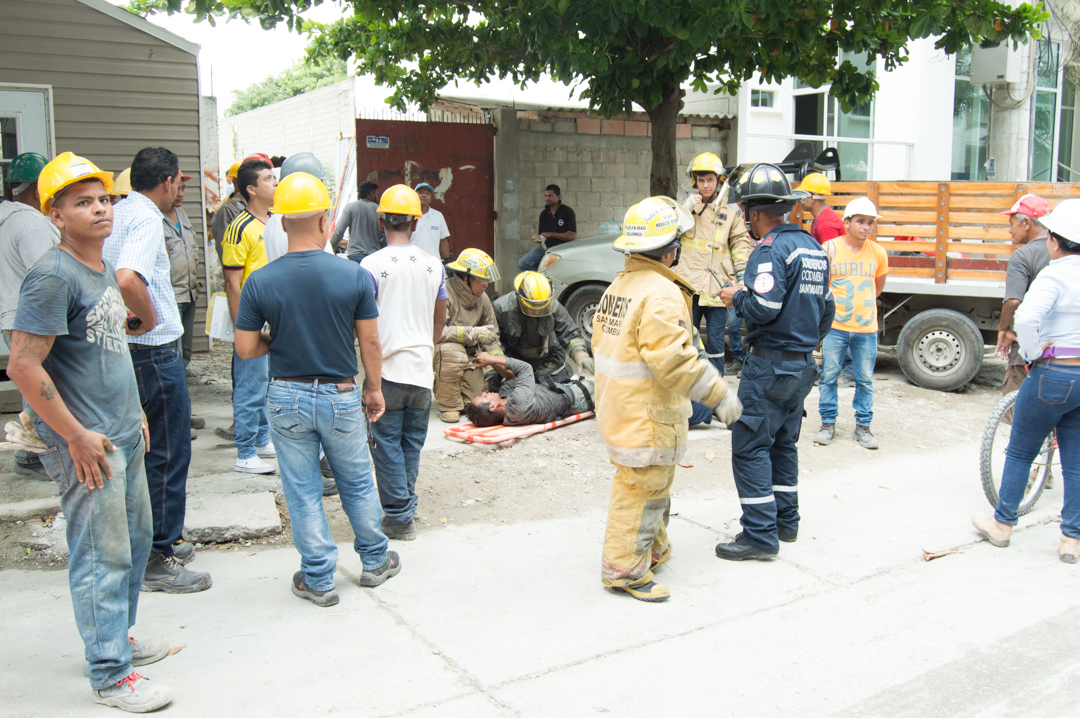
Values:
[(647, 367), (718, 241)]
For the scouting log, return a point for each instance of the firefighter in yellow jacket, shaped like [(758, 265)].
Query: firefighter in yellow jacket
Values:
[(718, 241), (647, 372), (470, 328)]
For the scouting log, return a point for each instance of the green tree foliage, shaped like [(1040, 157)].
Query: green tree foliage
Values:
[(625, 52), (302, 77)]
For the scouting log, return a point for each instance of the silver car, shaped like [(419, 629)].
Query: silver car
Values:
[(580, 271)]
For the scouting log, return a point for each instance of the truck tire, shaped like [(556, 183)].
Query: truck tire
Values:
[(582, 304), (940, 349)]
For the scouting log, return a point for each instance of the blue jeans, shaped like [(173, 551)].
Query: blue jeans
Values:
[(531, 259), (734, 334), (1048, 398), (304, 417), (164, 396), (716, 325), (399, 436), (250, 377), (109, 533), (863, 349)]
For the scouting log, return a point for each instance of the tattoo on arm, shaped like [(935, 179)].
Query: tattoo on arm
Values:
[(48, 391), (30, 346)]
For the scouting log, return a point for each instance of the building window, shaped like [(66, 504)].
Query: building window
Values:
[(1068, 151), (761, 98), (817, 112), (971, 123), (1045, 112)]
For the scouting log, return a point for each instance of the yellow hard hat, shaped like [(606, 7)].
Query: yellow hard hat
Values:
[(534, 294), (705, 162), (122, 184), (475, 263), (233, 169), (400, 199), (816, 183), (301, 195), (652, 224), (67, 169)]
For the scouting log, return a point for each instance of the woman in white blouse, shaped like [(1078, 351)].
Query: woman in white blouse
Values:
[(1048, 330)]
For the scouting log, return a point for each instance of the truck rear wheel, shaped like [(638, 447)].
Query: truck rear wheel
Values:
[(940, 349), (582, 304)]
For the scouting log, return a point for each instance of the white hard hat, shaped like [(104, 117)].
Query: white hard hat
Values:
[(1064, 220), (863, 206)]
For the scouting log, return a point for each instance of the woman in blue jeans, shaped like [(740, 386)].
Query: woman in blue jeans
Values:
[(1048, 329)]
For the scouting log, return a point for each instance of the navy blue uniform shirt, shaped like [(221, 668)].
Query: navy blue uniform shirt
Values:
[(787, 304)]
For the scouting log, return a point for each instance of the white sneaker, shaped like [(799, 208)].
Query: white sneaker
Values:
[(266, 452), (134, 694), (254, 465)]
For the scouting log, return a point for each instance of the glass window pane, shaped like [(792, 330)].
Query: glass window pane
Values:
[(809, 114), (971, 118), (963, 63), (1068, 157), (1042, 143), (1048, 63), (8, 148)]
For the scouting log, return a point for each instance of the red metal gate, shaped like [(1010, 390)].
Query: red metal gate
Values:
[(454, 158)]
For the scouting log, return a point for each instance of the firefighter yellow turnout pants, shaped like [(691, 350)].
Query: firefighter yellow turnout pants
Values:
[(636, 536), (455, 382)]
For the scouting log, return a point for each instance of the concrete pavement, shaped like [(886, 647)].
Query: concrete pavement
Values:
[(511, 620)]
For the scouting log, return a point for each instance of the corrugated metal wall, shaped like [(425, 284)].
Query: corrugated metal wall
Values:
[(116, 90)]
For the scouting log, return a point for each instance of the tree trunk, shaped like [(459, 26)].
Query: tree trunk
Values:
[(664, 176)]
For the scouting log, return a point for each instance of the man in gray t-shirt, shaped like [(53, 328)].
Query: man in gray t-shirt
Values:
[(361, 218), (521, 401)]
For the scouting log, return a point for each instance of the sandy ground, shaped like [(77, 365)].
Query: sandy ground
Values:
[(565, 472)]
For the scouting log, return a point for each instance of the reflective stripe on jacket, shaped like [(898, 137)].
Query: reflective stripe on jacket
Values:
[(648, 368), (718, 241)]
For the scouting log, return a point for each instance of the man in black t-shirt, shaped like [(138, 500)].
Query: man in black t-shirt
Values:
[(558, 225)]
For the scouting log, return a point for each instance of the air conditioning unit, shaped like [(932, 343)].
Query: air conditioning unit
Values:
[(995, 64)]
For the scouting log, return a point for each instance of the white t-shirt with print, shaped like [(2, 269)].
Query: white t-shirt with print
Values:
[(430, 230)]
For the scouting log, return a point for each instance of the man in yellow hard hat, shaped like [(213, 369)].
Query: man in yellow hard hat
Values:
[(470, 329), (121, 186), (410, 287), (827, 223), (648, 372), (535, 328), (227, 210), (71, 362), (315, 305), (714, 251)]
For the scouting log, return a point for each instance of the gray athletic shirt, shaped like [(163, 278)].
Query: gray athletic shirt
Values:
[(89, 362), (527, 403), (1024, 265)]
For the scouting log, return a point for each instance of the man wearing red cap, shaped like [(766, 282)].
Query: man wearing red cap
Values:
[(1029, 257)]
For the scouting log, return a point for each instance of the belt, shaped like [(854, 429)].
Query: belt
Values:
[(348, 384), (1052, 351), (1071, 361), (132, 347), (767, 353)]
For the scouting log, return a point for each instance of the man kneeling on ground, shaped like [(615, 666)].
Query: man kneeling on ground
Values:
[(520, 401)]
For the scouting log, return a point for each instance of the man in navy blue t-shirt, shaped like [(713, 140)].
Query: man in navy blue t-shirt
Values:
[(315, 304)]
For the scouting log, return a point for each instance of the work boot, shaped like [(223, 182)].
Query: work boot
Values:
[(651, 592), (329, 487), (997, 533), (865, 438), (151, 650), (1069, 549), (450, 417), (229, 434), (787, 536), (197, 422), (165, 573), (377, 576), (134, 694), (825, 434), (659, 559), (399, 532), (27, 463), (734, 368), (319, 598), (254, 465), (184, 552), (739, 550)]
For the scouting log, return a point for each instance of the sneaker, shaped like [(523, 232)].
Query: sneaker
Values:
[(183, 552), (319, 598), (266, 452), (825, 434), (651, 592), (1069, 549), (134, 694), (149, 651), (329, 487), (864, 437), (375, 577), (166, 574), (254, 465), (229, 434), (197, 422), (30, 466), (998, 534), (399, 532), (450, 417)]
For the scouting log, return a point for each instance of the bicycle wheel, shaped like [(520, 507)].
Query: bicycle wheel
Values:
[(995, 441)]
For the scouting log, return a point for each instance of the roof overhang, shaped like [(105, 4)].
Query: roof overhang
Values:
[(142, 24)]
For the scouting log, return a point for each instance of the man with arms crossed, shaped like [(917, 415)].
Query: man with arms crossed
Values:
[(315, 304), (71, 362)]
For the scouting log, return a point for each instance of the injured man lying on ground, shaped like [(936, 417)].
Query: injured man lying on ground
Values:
[(521, 400)]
